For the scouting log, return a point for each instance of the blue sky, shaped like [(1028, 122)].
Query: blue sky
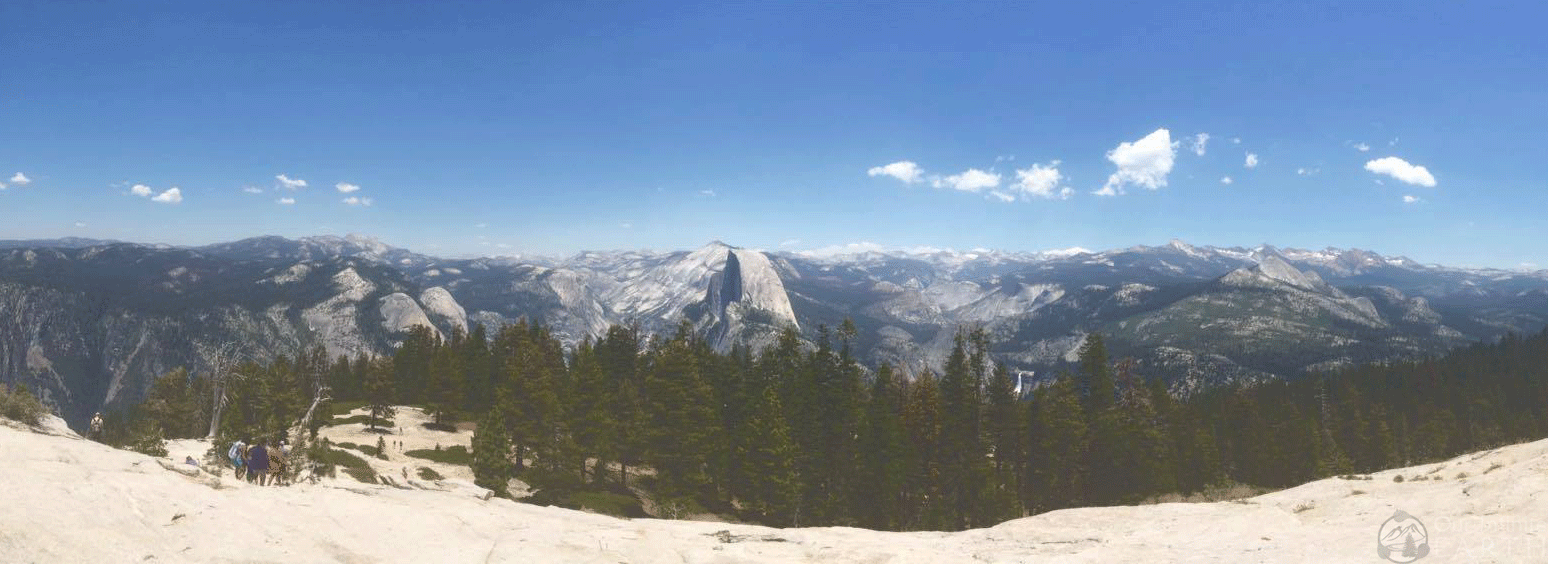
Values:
[(494, 128)]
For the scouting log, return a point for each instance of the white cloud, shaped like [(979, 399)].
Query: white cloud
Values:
[(80, 224), (173, 195), (20, 179), (1362, 147), (1410, 199), (291, 183), (252, 189), (1042, 181), (481, 225), (1004, 158), (1001, 196), (1198, 143), (1307, 171), (1252, 160), (1144, 163), (1226, 180), (626, 225), (906, 171), (707, 193), (789, 242), (1236, 140), (140, 190), (357, 201), (1402, 170), (285, 201), (344, 187), (2, 185), (970, 180)]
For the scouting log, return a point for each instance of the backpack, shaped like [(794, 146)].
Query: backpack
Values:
[(235, 449)]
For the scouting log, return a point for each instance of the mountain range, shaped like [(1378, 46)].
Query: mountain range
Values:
[(90, 323)]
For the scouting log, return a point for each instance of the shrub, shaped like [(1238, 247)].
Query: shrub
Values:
[(20, 405), (429, 474), (1461, 475), (456, 454), (1493, 467), (343, 408), (607, 503), (1398, 478), (365, 474)]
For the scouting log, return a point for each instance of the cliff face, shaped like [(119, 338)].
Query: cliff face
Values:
[(92, 328)]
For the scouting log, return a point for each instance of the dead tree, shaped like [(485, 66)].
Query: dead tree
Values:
[(221, 359)]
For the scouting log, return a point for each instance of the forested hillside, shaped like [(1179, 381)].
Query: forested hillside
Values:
[(806, 436)]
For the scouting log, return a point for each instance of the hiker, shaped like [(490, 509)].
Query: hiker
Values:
[(96, 426), (238, 456), (189, 460), (258, 463), (278, 465)]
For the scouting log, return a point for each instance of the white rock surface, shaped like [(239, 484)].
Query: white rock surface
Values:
[(400, 312), (440, 303), (333, 320)]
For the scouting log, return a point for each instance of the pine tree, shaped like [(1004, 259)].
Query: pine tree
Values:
[(378, 390), (618, 353), (922, 424), (769, 462), (1004, 430), (173, 405), (883, 456), (591, 415), (684, 429), (445, 387), (411, 364), (1096, 378), (491, 454), (478, 380), (1062, 430)]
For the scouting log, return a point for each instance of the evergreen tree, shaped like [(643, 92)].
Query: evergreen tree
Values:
[(411, 364), (591, 410), (445, 393), (378, 389), (1096, 379), (883, 456), (922, 424), (769, 462), (491, 454), (1004, 427), (477, 369), (684, 429), (1062, 432)]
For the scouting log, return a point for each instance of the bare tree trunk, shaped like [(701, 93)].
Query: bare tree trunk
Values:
[(321, 396), (220, 358)]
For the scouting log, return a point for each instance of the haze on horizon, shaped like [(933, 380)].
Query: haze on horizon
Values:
[(550, 128)]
